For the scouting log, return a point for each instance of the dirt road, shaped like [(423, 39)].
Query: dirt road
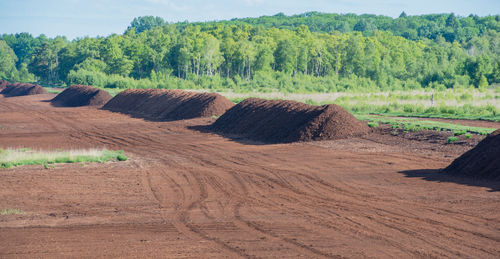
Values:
[(185, 193)]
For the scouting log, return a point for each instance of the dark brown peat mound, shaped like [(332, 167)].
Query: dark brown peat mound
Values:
[(20, 89), (168, 105), (81, 95), (280, 121), (481, 162)]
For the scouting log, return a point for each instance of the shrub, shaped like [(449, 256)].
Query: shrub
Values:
[(84, 77)]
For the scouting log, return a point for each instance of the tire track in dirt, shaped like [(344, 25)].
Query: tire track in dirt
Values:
[(394, 217), (198, 194), (184, 218), (247, 226), (282, 182), (253, 227)]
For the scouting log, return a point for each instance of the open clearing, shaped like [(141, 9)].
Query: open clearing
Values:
[(185, 193)]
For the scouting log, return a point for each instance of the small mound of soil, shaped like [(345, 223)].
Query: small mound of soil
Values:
[(167, 105), (20, 89), (81, 95), (481, 162), (280, 121)]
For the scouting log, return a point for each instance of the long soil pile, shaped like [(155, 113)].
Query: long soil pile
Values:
[(481, 162), (20, 89), (276, 121), (81, 95), (168, 104)]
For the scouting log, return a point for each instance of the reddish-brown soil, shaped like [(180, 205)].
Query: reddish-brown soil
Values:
[(168, 105), (20, 89), (277, 121), (81, 95), (483, 161), (184, 193)]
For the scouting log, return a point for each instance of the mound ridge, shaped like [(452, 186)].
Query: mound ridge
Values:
[(81, 95), (167, 105), (20, 89), (481, 162), (280, 121)]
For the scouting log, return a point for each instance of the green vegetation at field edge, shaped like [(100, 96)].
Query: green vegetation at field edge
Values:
[(417, 125), (4, 212), (25, 156)]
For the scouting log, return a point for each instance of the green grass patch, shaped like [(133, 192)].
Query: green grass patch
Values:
[(465, 112), (409, 124), (4, 212), (25, 156), (373, 124), (452, 139)]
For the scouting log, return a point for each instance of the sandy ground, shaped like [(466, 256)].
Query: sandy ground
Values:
[(185, 193)]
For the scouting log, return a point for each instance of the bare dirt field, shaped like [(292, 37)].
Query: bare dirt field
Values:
[(186, 193)]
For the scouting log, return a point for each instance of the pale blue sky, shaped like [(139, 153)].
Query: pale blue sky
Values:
[(78, 18)]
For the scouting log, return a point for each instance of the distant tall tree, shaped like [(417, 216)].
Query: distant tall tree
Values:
[(211, 58), (286, 56), (7, 61), (113, 55), (45, 63), (365, 26), (144, 23), (403, 15), (452, 21)]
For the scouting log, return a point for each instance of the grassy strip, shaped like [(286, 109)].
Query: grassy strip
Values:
[(495, 118), (26, 156), (462, 96), (417, 125), (467, 112), (11, 212)]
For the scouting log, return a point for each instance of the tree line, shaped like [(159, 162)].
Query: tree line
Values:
[(310, 52)]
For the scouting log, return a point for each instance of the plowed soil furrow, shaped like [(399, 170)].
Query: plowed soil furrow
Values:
[(184, 193)]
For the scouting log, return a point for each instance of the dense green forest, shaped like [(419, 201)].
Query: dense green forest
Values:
[(311, 52)]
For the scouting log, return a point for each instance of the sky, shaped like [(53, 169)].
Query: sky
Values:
[(80, 18)]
